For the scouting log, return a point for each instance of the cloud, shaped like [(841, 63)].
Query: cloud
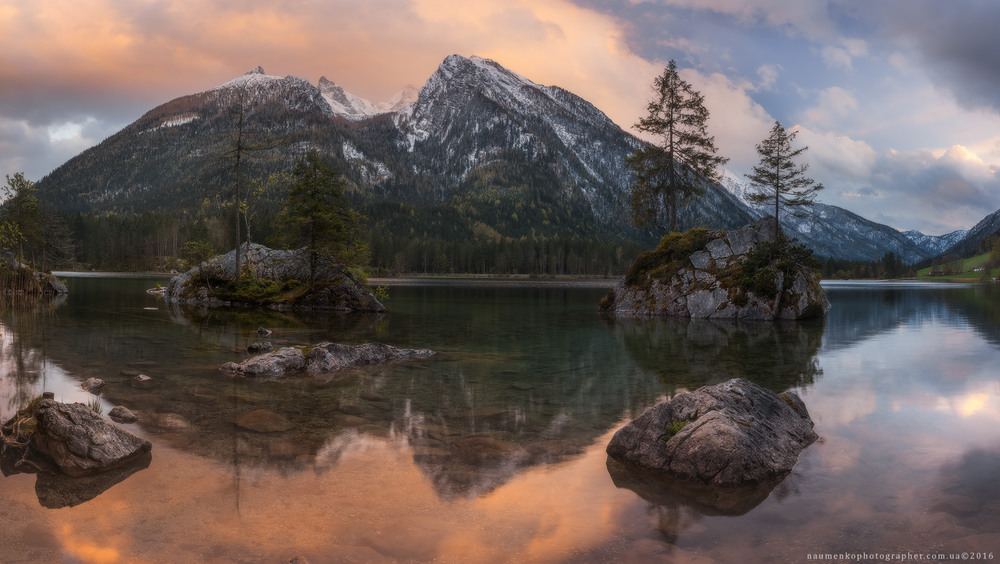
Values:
[(833, 156), (793, 17), (918, 189), (112, 60), (834, 104), (735, 119), (956, 40), (768, 75)]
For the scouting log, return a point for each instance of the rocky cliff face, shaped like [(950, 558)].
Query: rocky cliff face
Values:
[(745, 273)]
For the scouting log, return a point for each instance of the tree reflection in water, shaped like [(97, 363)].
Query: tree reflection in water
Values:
[(689, 353)]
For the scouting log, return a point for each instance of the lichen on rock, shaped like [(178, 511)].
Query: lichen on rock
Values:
[(752, 273)]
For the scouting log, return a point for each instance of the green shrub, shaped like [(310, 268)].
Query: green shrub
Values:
[(669, 257), (671, 428), (762, 264)]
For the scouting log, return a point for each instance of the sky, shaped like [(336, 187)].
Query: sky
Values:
[(898, 101)]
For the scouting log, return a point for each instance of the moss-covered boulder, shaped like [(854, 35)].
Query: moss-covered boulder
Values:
[(751, 273)]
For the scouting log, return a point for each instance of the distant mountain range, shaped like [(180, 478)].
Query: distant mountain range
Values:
[(478, 152)]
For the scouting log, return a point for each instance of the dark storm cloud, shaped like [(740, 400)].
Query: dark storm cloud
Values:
[(957, 41)]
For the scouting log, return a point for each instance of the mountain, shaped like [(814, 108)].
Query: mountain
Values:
[(347, 105), (832, 231), (936, 244), (478, 154), (480, 149), (969, 244)]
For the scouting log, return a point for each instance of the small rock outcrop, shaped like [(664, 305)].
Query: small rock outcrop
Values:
[(122, 414), (81, 442), (751, 273), (335, 288), (731, 434), (93, 385), (25, 280), (259, 347), (324, 357)]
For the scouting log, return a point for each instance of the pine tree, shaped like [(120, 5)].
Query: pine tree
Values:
[(316, 216), (672, 170), (21, 221), (777, 176)]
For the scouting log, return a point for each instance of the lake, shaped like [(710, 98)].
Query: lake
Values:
[(493, 450)]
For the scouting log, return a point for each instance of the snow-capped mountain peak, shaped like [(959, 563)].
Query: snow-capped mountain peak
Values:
[(253, 77), (405, 97), (342, 102), (939, 243), (347, 105)]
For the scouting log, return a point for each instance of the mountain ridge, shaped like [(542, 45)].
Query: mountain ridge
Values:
[(500, 154)]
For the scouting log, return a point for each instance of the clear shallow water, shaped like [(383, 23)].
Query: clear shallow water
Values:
[(493, 451)]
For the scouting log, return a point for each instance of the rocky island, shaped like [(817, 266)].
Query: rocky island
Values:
[(280, 281), (751, 273), (19, 279)]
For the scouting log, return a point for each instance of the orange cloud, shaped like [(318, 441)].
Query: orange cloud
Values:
[(372, 49)]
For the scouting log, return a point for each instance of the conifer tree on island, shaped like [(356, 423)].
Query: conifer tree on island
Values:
[(673, 169), (778, 178), (316, 217)]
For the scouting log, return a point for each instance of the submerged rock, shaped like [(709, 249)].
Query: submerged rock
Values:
[(93, 385), (142, 382), (264, 421), (730, 434), (270, 365), (259, 347), (749, 273), (327, 357), (122, 414), (321, 358), (81, 442)]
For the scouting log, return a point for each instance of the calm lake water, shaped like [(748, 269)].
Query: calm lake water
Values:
[(493, 450)]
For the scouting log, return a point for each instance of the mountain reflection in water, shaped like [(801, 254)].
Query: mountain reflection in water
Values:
[(493, 450)]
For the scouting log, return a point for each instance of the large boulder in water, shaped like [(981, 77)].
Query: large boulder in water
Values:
[(731, 434), (81, 442), (751, 273), (334, 288)]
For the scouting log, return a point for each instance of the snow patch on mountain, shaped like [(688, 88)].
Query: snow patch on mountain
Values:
[(742, 189), (371, 170), (173, 121), (935, 243), (253, 77)]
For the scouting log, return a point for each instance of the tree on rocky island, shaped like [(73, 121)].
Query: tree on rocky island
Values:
[(231, 163), (315, 215), (22, 229), (778, 178), (673, 169)]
